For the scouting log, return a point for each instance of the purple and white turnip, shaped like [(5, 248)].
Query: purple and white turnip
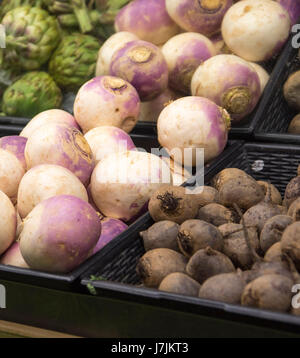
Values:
[(148, 20), (8, 222), (16, 145), (143, 65), (230, 82), (109, 101), (53, 232), (184, 53)]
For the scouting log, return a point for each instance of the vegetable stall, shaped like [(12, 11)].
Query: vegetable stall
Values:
[(141, 172)]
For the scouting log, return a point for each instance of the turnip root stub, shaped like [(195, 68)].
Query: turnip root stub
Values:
[(50, 116), (203, 16), (191, 124), (61, 145), (256, 30), (147, 19), (59, 234), (184, 53), (106, 140), (108, 101), (122, 183), (230, 82), (143, 65)]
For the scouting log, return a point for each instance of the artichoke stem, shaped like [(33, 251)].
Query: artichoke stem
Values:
[(81, 12), (60, 8)]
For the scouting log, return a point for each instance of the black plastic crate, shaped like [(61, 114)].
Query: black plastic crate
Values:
[(276, 114), (115, 269)]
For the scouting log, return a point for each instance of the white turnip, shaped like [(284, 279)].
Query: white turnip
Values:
[(61, 145), (262, 74), (184, 53), (106, 140), (8, 222), (45, 181), (256, 30), (122, 183), (143, 65), (13, 257), (59, 234), (147, 19), (230, 82), (16, 145), (107, 101), (192, 123)]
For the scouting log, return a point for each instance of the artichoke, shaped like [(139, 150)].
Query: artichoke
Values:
[(74, 61), (31, 36), (7, 5), (31, 94)]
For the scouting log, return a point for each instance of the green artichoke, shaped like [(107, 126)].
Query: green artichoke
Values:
[(31, 36), (74, 61), (7, 5), (31, 94)]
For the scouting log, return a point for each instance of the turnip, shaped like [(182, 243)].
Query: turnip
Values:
[(292, 7), (256, 30), (110, 229), (203, 16), (143, 65), (11, 173), (147, 19), (193, 123), (122, 183), (16, 145), (59, 234), (44, 181), (150, 110), (230, 82), (13, 256), (106, 140), (109, 101), (179, 173), (8, 222), (107, 50), (184, 53), (262, 74), (50, 116), (61, 145)]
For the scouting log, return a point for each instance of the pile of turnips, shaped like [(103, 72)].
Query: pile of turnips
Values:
[(236, 241), (64, 194)]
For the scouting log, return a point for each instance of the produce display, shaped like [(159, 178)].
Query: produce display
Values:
[(235, 241)]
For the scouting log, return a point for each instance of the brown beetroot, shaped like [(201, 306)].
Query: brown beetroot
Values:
[(291, 90), (227, 174), (274, 253), (206, 263), (292, 191), (225, 287), (156, 264), (235, 245), (243, 191), (294, 127), (172, 203), (217, 214), (270, 189), (298, 170), (162, 234), (273, 230), (195, 234), (294, 210), (180, 283), (260, 213), (290, 242), (270, 292), (205, 195)]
